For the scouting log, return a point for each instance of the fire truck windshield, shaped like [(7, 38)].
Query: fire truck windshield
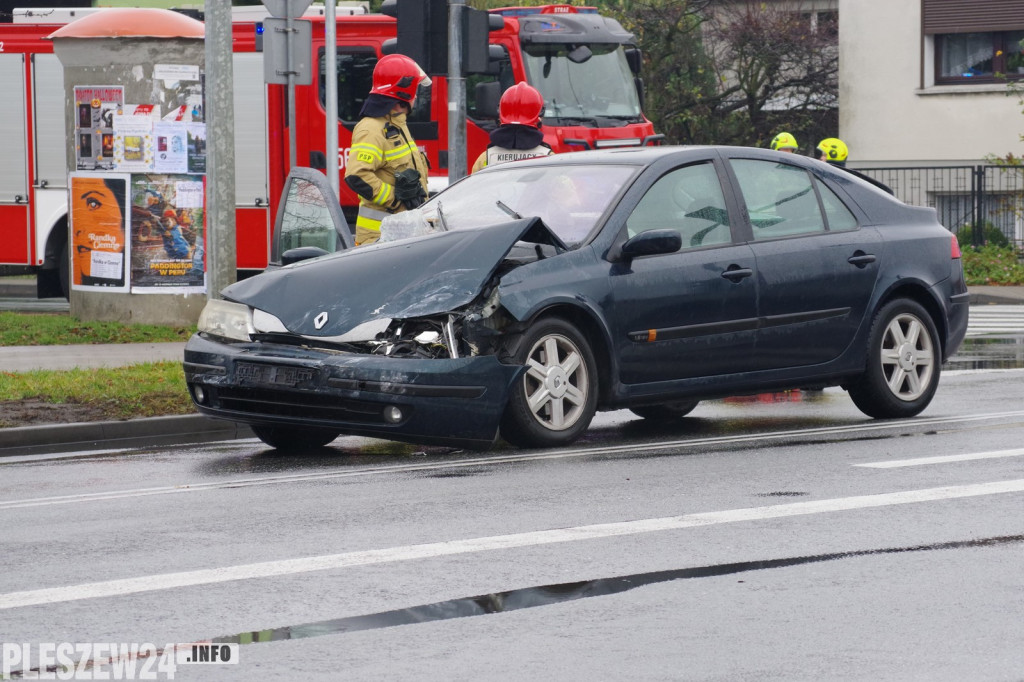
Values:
[(583, 84)]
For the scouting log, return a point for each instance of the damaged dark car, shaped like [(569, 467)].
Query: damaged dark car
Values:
[(528, 296)]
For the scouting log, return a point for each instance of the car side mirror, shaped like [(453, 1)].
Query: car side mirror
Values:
[(652, 242), (301, 253)]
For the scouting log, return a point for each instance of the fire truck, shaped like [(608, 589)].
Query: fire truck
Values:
[(585, 65)]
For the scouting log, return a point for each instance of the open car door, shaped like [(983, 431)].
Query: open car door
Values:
[(309, 220)]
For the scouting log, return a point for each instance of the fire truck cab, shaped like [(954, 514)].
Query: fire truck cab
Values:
[(585, 65)]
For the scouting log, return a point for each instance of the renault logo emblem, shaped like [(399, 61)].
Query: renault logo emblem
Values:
[(320, 320)]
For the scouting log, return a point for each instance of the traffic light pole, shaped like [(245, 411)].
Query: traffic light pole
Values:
[(331, 94), (456, 94), (220, 153)]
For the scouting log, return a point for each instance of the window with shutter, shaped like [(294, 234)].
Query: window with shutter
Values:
[(976, 41)]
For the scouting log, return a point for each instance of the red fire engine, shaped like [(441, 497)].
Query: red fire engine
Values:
[(585, 65)]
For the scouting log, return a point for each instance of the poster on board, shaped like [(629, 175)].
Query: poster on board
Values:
[(167, 233), (99, 222), (95, 109)]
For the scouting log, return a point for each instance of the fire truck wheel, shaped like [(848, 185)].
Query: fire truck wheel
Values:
[(64, 268)]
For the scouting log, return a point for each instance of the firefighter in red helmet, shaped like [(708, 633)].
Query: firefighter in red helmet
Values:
[(385, 167), (519, 135)]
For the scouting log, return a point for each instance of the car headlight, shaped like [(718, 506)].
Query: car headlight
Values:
[(226, 319)]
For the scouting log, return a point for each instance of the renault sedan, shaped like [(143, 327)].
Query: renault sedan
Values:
[(528, 296)]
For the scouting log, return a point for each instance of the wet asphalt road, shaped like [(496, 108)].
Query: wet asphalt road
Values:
[(779, 538)]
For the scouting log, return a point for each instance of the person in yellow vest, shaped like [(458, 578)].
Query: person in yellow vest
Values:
[(519, 135), (385, 167)]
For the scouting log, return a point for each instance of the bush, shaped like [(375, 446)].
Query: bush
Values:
[(992, 264), (992, 235)]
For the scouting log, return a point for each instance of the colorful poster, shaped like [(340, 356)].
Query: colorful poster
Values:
[(170, 139), (197, 148), (99, 246), (167, 233), (133, 143), (95, 108)]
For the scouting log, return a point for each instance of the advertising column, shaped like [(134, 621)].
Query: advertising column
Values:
[(137, 164)]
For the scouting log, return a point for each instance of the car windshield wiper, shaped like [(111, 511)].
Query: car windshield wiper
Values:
[(440, 216), (507, 209)]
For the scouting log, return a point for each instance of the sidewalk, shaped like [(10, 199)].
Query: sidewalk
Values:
[(53, 438), (180, 429), (996, 295), (129, 433)]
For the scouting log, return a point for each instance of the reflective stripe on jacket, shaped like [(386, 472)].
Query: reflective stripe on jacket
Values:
[(497, 155), (381, 147)]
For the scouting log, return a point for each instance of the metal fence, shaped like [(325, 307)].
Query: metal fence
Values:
[(981, 204)]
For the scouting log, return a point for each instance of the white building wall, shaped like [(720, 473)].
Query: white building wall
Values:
[(887, 118)]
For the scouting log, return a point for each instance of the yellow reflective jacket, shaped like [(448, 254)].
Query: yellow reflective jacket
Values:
[(381, 147)]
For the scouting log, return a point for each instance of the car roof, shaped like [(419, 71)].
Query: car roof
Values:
[(650, 154), (646, 156)]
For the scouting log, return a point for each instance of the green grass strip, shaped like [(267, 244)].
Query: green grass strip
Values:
[(49, 329), (145, 390)]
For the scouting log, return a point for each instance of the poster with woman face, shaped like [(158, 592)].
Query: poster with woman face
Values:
[(99, 247)]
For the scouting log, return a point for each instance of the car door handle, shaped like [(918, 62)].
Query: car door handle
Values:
[(736, 273), (861, 259)]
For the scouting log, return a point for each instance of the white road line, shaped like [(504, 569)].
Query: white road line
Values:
[(501, 459), (167, 581), (920, 461)]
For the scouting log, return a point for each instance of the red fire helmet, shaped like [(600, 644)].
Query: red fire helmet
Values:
[(521, 104), (399, 77)]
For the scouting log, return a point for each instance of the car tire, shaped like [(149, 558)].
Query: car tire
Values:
[(903, 365), (669, 411), (555, 399), (290, 439)]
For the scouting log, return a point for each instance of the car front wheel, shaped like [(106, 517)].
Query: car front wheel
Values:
[(290, 439), (554, 401), (904, 362)]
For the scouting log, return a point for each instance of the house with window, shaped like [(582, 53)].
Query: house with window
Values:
[(919, 83), (923, 84)]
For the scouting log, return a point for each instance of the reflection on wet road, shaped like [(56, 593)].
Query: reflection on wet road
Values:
[(544, 595), (989, 352)]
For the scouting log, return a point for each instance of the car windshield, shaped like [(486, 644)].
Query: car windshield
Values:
[(570, 199), (598, 90)]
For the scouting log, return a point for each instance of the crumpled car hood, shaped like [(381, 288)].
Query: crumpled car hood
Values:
[(401, 279)]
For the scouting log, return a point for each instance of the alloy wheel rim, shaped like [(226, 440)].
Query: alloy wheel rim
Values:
[(908, 357), (556, 382)]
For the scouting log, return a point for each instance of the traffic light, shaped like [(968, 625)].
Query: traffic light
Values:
[(422, 32), (476, 28)]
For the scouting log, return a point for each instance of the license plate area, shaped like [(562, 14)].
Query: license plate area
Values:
[(276, 375)]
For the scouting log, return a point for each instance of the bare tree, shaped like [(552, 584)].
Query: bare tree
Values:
[(777, 63), (679, 76)]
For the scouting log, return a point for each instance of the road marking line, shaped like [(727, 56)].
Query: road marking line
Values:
[(498, 459), (150, 583), (942, 459)]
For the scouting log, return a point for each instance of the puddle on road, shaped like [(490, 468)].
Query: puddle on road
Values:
[(988, 353), (530, 597)]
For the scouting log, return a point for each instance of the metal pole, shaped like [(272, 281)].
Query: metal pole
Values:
[(456, 95), (331, 94), (220, 150), (290, 69)]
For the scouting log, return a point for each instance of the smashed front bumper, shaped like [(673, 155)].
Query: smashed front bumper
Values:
[(444, 402)]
